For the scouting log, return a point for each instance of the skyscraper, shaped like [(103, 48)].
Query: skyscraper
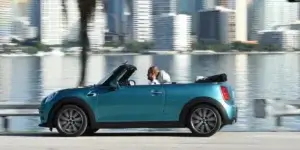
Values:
[(164, 6), (198, 5), (231, 4), (172, 32), (266, 14), (53, 31), (139, 20), (224, 3), (35, 15), (241, 20), (25, 20), (5, 19), (219, 26), (115, 15)]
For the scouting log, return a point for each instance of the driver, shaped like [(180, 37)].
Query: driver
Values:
[(156, 76)]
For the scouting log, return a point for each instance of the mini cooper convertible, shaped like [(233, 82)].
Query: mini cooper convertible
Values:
[(204, 106)]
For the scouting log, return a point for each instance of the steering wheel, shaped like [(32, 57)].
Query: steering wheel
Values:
[(131, 82)]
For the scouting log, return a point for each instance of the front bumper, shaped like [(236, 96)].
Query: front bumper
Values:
[(43, 125)]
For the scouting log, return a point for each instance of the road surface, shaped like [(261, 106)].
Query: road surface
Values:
[(154, 141)]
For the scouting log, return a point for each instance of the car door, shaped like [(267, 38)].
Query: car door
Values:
[(132, 104)]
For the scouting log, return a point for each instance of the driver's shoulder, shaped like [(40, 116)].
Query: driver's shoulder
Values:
[(164, 74)]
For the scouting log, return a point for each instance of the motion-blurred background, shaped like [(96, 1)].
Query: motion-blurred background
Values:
[(255, 42)]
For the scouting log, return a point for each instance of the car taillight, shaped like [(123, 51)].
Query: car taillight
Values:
[(225, 93)]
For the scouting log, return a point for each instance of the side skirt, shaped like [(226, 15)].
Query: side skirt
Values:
[(154, 124)]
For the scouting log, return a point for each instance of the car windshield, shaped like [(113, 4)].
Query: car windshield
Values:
[(106, 77)]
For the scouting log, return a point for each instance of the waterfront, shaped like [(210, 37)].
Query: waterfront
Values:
[(253, 76)]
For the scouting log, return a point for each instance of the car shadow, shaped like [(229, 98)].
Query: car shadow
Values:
[(127, 134)]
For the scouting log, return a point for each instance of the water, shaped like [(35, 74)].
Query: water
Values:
[(253, 76)]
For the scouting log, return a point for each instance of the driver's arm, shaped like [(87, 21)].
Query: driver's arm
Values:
[(154, 82)]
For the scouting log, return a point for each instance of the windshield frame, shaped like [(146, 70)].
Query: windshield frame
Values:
[(106, 77), (116, 74)]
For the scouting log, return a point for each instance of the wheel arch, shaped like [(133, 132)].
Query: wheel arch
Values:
[(71, 101), (202, 100)]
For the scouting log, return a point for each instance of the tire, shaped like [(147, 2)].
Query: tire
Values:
[(90, 131), (71, 117), (204, 124)]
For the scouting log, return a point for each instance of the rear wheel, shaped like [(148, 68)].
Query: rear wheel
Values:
[(204, 120), (71, 120)]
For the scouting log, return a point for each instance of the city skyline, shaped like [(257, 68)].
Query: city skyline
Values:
[(136, 20)]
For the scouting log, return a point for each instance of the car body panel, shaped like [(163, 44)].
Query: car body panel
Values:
[(71, 93), (130, 104), (111, 102), (180, 94)]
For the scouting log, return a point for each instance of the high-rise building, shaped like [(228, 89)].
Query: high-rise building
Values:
[(182, 32), (114, 15), (249, 18), (21, 20), (5, 19), (265, 14), (51, 22), (231, 4), (25, 18), (172, 32), (20, 8), (139, 20), (219, 26), (164, 6), (184, 6), (241, 20), (284, 39), (54, 31), (198, 5), (35, 15), (224, 3)]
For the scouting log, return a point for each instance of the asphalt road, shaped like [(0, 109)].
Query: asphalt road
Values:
[(153, 141)]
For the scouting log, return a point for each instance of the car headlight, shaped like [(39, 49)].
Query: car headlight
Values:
[(50, 97)]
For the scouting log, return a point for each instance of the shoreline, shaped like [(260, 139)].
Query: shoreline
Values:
[(112, 53)]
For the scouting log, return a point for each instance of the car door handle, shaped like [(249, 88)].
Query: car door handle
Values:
[(156, 92), (92, 94)]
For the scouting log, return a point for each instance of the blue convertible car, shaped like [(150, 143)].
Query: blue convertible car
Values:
[(203, 106)]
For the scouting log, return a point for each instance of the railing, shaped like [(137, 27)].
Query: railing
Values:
[(279, 108), (16, 107)]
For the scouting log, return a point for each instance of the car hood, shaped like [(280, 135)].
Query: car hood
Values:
[(77, 89)]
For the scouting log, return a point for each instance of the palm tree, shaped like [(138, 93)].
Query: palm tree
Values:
[(87, 11)]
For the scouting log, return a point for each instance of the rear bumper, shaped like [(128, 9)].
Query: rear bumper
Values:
[(233, 116)]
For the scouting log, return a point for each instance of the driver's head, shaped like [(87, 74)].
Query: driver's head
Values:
[(152, 72)]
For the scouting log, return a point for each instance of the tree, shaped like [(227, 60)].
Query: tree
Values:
[(86, 11)]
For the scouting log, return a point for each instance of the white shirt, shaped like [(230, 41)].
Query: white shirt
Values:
[(162, 78), (154, 82)]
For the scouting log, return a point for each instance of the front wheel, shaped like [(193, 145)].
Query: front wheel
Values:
[(71, 120), (204, 120)]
